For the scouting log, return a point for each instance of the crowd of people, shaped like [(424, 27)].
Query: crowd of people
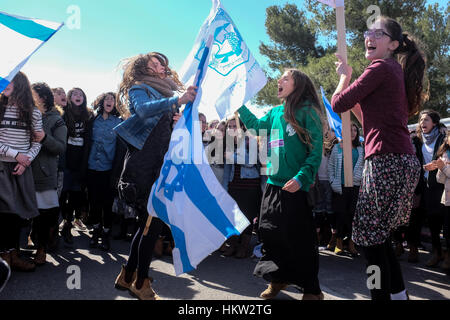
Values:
[(60, 160)]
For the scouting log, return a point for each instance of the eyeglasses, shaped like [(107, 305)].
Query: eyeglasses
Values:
[(377, 34)]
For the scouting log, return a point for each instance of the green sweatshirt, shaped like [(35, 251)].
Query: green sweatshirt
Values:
[(288, 157)]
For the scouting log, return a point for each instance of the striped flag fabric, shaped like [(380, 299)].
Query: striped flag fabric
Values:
[(23, 37), (334, 120), (333, 3), (187, 195)]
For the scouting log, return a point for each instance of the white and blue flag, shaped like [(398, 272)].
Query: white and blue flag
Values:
[(187, 195), (21, 38), (334, 120), (232, 76)]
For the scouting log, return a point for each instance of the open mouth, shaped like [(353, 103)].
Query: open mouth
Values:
[(280, 89), (371, 48)]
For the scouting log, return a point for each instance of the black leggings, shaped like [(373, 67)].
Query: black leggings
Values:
[(10, 225), (344, 206), (101, 198), (141, 251), (384, 257), (42, 224), (71, 201)]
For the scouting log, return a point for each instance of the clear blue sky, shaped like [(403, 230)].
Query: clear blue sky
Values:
[(113, 30)]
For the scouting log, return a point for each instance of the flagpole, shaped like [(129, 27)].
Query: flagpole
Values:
[(197, 80), (346, 123)]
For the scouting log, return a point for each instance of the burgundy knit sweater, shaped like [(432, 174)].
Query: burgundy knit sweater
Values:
[(380, 91)]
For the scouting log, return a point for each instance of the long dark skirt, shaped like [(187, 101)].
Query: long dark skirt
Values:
[(286, 227)]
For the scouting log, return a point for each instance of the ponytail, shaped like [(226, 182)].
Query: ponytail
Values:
[(413, 62)]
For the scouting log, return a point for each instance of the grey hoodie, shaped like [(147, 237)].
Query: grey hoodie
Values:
[(45, 166)]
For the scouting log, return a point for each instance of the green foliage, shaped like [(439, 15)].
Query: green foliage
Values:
[(295, 35)]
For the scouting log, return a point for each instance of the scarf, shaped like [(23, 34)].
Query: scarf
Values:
[(428, 138), (164, 86)]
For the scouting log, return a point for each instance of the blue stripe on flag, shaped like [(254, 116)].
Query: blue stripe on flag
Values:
[(27, 28), (202, 197), (177, 233), (3, 84)]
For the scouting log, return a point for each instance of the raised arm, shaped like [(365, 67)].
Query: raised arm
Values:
[(345, 99), (252, 122)]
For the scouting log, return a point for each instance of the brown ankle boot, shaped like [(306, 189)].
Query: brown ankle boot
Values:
[(40, 257), (272, 290), (145, 292), (19, 264), (352, 248), (121, 283), (242, 250), (413, 255)]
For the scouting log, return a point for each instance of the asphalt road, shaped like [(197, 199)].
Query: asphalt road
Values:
[(217, 277)]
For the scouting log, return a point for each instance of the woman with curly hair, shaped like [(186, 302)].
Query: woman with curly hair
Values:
[(148, 90), (101, 150)]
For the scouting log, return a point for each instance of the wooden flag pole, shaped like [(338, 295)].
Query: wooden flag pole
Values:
[(346, 123), (147, 224)]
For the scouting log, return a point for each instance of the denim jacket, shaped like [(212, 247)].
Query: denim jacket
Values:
[(146, 106), (248, 171)]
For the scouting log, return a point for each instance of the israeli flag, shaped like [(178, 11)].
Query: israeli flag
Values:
[(232, 76), (187, 195), (21, 38), (334, 120)]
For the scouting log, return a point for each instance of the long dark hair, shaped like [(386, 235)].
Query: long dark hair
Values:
[(45, 93), (72, 114), (304, 90), (355, 142), (413, 62), (99, 107), (22, 98)]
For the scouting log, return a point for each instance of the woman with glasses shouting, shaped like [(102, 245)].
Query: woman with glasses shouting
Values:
[(388, 92)]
